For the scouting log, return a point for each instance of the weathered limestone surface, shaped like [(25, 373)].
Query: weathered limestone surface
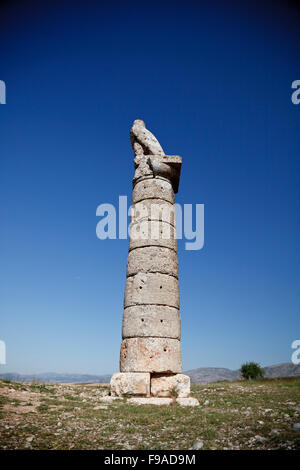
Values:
[(151, 320), (152, 259), (150, 355), (190, 401), (166, 166), (153, 209), (152, 233), (133, 384), (163, 401), (153, 188), (152, 288), (150, 401), (162, 386), (143, 141)]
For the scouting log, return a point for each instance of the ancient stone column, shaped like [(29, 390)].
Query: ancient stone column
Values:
[(150, 357)]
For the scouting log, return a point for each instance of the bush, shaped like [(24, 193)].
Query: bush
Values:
[(251, 370)]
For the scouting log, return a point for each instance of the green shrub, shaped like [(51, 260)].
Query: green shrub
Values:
[(251, 370)]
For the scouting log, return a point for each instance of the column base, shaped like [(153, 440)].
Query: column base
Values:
[(130, 383), (173, 386), (146, 385)]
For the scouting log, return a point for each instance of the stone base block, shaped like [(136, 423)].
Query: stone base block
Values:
[(156, 355), (132, 383), (165, 385)]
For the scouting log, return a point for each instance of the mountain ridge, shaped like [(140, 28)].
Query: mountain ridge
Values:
[(201, 375)]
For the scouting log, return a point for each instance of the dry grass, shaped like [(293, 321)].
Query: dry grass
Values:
[(239, 415)]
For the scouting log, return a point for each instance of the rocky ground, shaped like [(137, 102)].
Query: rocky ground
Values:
[(236, 415)]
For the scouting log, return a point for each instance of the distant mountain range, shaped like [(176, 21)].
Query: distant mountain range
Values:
[(53, 377), (203, 375)]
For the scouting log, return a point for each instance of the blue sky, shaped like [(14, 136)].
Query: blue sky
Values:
[(212, 80)]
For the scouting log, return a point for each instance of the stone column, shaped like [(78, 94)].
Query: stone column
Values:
[(150, 357)]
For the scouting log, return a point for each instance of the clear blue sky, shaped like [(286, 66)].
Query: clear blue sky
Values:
[(212, 80)]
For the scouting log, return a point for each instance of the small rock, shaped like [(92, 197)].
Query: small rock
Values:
[(259, 438), (206, 403), (109, 399), (274, 431), (197, 446), (187, 401), (296, 426), (30, 438)]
